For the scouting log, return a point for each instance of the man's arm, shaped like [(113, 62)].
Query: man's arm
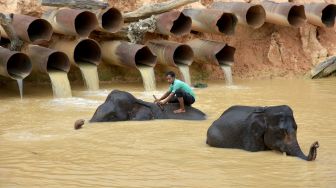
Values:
[(163, 96), (167, 99)]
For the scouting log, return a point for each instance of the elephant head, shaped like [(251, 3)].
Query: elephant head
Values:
[(280, 132), (121, 106)]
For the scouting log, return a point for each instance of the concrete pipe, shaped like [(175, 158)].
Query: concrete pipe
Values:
[(213, 52), (72, 21), (212, 21), (286, 14), (45, 60), (126, 54), (15, 65), (110, 20), (321, 14), (173, 23), (30, 29), (171, 53), (248, 14), (79, 51)]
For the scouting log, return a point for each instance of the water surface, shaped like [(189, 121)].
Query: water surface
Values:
[(39, 148)]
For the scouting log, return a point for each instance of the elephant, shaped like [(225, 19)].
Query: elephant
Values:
[(123, 106), (255, 128)]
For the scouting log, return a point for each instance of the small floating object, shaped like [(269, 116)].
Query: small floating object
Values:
[(79, 123), (200, 85)]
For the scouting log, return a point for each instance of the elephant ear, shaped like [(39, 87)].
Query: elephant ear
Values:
[(258, 126), (140, 112)]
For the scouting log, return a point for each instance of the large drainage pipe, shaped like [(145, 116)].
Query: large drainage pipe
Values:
[(171, 53), (72, 21), (45, 60), (15, 65), (212, 21), (248, 14), (110, 20), (79, 51), (30, 29), (213, 52), (321, 14), (286, 14), (173, 23), (125, 54)]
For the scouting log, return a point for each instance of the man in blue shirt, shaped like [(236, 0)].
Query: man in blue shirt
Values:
[(179, 92)]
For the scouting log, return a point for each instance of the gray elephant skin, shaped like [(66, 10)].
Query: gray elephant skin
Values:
[(123, 106), (258, 129)]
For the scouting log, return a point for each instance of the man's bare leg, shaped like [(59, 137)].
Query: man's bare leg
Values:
[(181, 102)]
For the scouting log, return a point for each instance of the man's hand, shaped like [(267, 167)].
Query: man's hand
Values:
[(162, 102), (156, 100)]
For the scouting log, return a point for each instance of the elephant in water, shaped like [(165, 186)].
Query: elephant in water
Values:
[(257, 129), (123, 106)]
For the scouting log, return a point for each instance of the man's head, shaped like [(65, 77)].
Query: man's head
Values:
[(170, 76)]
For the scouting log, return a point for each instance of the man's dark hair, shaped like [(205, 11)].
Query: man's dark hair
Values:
[(170, 73)]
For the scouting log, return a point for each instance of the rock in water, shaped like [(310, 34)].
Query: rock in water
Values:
[(324, 69)]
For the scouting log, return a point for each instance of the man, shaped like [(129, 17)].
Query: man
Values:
[(179, 92)]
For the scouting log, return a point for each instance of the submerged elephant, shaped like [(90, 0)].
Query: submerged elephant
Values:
[(257, 129), (123, 106)]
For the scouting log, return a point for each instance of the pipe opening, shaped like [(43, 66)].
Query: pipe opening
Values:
[(39, 29), (58, 61), (256, 16), (85, 22), (226, 55), (296, 15), (19, 66), (4, 42), (145, 57), (112, 20), (87, 51), (183, 55), (227, 23), (328, 15), (182, 25)]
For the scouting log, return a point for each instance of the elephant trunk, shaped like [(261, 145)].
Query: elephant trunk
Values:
[(295, 150)]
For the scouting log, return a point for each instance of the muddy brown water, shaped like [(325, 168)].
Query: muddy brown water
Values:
[(227, 74), (39, 148), (184, 69), (90, 76), (60, 84), (148, 77)]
